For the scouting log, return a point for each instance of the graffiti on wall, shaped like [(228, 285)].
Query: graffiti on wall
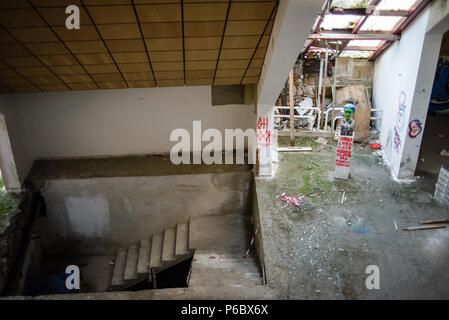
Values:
[(264, 134), (400, 121), (414, 128), (400, 118), (396, 140)]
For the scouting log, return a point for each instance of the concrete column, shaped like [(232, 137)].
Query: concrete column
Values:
[(403, 80), (265, 140), (415, 121), (7, 163), (292, 26)]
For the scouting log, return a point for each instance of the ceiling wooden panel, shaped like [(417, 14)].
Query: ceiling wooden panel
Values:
[(159, 13), (132, 43)]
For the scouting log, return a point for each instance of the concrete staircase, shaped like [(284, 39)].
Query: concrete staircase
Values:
[(218, 265), (158, 252)]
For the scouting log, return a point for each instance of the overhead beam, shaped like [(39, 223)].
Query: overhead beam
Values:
[(418, 7), (360, 48), (376, 12), (351, 36)]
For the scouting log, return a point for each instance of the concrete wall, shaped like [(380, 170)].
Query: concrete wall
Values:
[(17, 138), (111, 122), (403, 78), (98, 215)]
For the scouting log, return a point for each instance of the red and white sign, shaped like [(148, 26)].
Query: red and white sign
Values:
[(343, 162)]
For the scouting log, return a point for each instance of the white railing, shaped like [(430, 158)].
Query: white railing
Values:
[(312, 117)]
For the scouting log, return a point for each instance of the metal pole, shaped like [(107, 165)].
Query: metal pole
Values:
[(320, 84), (334, 91), (292, 109), (323, 102)]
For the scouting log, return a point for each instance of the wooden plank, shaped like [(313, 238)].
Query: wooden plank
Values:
[(246, 28), (363, 111), (430, 226), (118, 31), (435, 221), (202, 43)]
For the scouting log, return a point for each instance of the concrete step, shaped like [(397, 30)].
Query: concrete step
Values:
[(182, 239), (218, 278), (143, 264), (119, 268), (168, 248), (156, 251), (220, 234), (131, 262)]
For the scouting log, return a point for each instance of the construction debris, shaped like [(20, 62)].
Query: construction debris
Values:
[(435, 221), (294, 149), (432, 226), (321, 141), (442, 187)]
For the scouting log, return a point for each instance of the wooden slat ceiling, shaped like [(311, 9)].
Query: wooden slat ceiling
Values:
[(132, 43)]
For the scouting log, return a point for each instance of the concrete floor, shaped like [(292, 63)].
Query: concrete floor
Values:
[(322, 251)]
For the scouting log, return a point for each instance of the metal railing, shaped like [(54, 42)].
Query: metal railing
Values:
[(317, 111)]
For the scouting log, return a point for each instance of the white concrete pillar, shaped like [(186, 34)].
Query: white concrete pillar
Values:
[(415, 120), (7, 163), (291, 28), (265, 140)]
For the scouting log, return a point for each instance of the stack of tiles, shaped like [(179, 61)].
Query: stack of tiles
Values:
[(442, 187)]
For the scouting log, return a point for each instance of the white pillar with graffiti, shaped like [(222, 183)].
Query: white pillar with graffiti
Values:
[(265, 140)]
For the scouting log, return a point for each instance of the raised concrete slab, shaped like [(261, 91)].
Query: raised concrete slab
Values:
[(182, 238), (221, 234), (168, 247), (156, 251), (143, 264), (212, 270), (119, 268), (131, 262), (226, 293)]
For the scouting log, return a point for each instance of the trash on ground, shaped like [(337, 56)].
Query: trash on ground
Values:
[(359, 229), (444, 153), (430, 226), (395, 225), (321, 141), (375, 146)]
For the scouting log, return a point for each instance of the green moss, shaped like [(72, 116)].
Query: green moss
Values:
[(8, 204), (300, 142)]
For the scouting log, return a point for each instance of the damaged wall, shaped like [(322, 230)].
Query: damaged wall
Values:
[(111, 122)]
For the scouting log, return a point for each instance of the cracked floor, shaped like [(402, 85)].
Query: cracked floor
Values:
[(322, 250)]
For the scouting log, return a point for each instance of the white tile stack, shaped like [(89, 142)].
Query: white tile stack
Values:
[(442, 187)]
